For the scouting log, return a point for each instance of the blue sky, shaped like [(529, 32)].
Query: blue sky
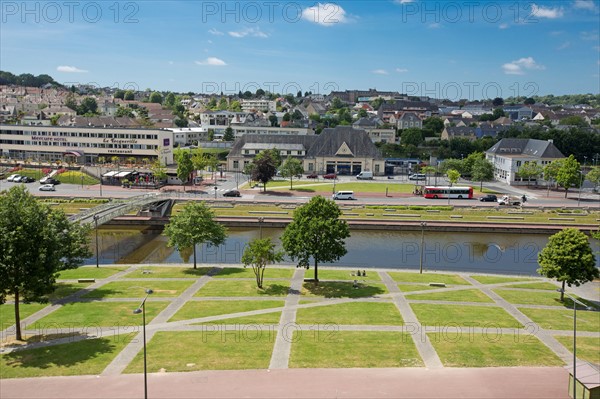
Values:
[(454, 49)]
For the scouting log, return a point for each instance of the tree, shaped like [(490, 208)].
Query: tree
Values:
[(287, 117), (593, 176), (235, 106), (453, 175), (156, 97), (362, 113), (530, 169), (194, 225), (498, 113), (159, 171), (428, 171), (260, 92), (169, 100), (452, 163), (229, 135), (70, 102), (291, 167), (258, 254), (412, 136), (88, 106), (274, 121), (124, 111), (222, 104), (185, 166), (529, 101), (434, 123), (568, 173), (265, 167), (568, 258), (497, 101), (36, 243), (482, 170), (129, 95), (316, 231), (119, 94)]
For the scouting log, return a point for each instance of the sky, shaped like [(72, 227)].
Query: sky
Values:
[(446, 49)]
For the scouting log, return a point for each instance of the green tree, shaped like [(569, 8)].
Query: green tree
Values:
[(362, 113), (222, 104), (498, 113), (428, 171), (412, 136), (497, 101), (568, 173), (88, 106), (316, 232), (482, 170), (260, 92), (229, 135), (129, 95), (530, 169), (198, 159), (290, 168), (336, 103), (70, 102), (258, 254), (194, 225), (434, 123), (124, 111), (452, 163), (156, 97), (119, 94), (593, 176), (287, 117), (453, 175), (36, 243), (235, 106), (159, 171), (568, 258), (169, 100), (265, 168), (185, 166), (273, 120), (467, 163)]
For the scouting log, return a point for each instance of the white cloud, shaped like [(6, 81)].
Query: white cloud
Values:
[(380, 72), (546, 12), (564, 46), (503, 26), (326, 14), (254, 32), (212, 61), (584, 5), (215, 32), (401, 70), (519, 66), (404, 1), (70, 69), (434, 25), (591, 35)]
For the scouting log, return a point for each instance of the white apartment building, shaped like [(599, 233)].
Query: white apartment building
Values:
[(258, 105)]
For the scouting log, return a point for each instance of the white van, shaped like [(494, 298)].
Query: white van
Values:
[(364, 175), (343, 195)]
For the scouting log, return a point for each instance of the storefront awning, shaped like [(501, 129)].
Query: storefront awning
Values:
[(110, 174), (74, 153), (123, 174)]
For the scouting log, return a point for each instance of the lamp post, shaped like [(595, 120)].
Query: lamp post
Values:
[(575, 302), (423, 225), (215, 192), (581, 180), (96, 217), (142, 309)]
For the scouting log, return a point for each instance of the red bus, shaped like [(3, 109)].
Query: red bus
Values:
[(448, 192)]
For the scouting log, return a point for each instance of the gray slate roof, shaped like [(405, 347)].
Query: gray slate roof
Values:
[(330, 140), (531, 147)]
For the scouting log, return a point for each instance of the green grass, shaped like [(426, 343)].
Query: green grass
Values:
[(491, 349), (416, 287), (498, 279), (66, 289), (547, 298), (90, 272), (535, 286), (326, 347), (562, 319), (240, 272), (463, 315), (473, 295), (7, 312), (105, 314), (88, 357), (343, 274), (405, 277), (137, 289), (243, 288), (267, 318), (168, 272), (75, 177), (206, 350), (196, 309), (341, 289), (365, 313), (588, 348)]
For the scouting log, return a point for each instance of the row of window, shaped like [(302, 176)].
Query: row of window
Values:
[(80, 134), (282, 152)]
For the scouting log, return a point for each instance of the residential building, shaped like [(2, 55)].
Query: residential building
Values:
[(408, 120), (263, 105), (466, 132)]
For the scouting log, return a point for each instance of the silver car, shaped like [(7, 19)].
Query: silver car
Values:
[(47, 187)]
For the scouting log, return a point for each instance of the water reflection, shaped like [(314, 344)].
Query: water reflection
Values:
[(470, 252)]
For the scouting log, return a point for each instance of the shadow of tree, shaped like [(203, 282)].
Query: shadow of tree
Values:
[(228, 271), (304, 190), (274, 289), (338, 289), (201, 271), (276, 193), (568, 303)]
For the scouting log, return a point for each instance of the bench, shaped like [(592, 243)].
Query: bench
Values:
[(402, 215), (455, 216), (572, 214), (437, 284), (520, 213), (506, 217), (350, 214), (270, 212), (86, 280), (433, 210), (563, 219)]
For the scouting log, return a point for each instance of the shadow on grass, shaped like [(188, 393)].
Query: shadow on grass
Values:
[(64, 290), (338, 289), (276, 193), (274, 289), (33, 339), (568, 303), (63, 355), (228, 271), (304, 190), (201, 271)]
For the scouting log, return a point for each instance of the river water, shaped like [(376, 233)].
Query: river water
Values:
[(457, 252)]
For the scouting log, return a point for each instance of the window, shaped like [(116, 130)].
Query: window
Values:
[(518, 163), (236, 165)]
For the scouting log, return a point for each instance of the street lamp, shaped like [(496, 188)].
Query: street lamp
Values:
[(142, 309), (575, 302), (215, 192), (582, 180), (423, 225), (96, 217), (260, 222)]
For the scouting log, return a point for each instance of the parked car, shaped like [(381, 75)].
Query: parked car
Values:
[(232, 193), (27, 179), (343, 195), (417, 176), (13, 177), (312, 176), (47, 187), (49, 180), (508, 200), (488, 198), (330, 176)]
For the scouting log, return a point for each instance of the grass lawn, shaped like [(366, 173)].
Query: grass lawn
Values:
[(243, 288), (340, 289), (548, 298), (254, 321), (103, 314), (493, 349), (90, 272), (206, 350), (352, 313), (473, 295), (137, 289), (167, 272), (463, 315), (329, 348), (66, 289), (196, 309), (543, 285), (588, 348), (75, 177), (562, 319), (428, 278), (343, 274), (416, 287), (498, 279), (240, 272), (86, 357), (7, 312)]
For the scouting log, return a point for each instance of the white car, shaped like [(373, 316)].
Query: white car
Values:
[(47, 187), (13, 177)]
